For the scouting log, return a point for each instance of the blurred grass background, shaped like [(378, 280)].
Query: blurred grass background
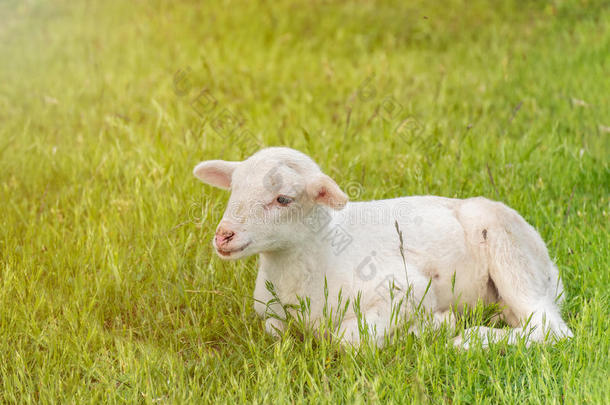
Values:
[(109, 289)]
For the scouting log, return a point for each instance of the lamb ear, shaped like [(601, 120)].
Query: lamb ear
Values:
[(217, 173), (323, 190)]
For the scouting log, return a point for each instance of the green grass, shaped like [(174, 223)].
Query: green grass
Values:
[(109, 288)]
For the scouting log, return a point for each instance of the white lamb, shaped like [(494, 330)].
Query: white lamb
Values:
[(439, 253)]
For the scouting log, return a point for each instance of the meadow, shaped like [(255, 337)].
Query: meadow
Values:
[(109, 287)]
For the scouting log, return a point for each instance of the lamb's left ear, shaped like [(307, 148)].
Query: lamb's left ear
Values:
[(217, 173), (323, 190)]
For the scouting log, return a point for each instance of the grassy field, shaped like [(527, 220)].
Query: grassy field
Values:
[(109, 288)]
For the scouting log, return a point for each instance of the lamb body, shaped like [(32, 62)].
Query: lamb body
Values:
[(315, 244)]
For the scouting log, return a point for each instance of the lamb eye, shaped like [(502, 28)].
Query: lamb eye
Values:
[(283, 200)]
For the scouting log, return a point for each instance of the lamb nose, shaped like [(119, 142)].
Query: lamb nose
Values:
[(224, 235)]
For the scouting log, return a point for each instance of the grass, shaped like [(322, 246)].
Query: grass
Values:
[(109, 289)]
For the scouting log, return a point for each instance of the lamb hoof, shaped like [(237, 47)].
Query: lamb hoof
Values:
[(461, 343)]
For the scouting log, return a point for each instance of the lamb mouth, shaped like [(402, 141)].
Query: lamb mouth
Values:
[(229, 252)]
